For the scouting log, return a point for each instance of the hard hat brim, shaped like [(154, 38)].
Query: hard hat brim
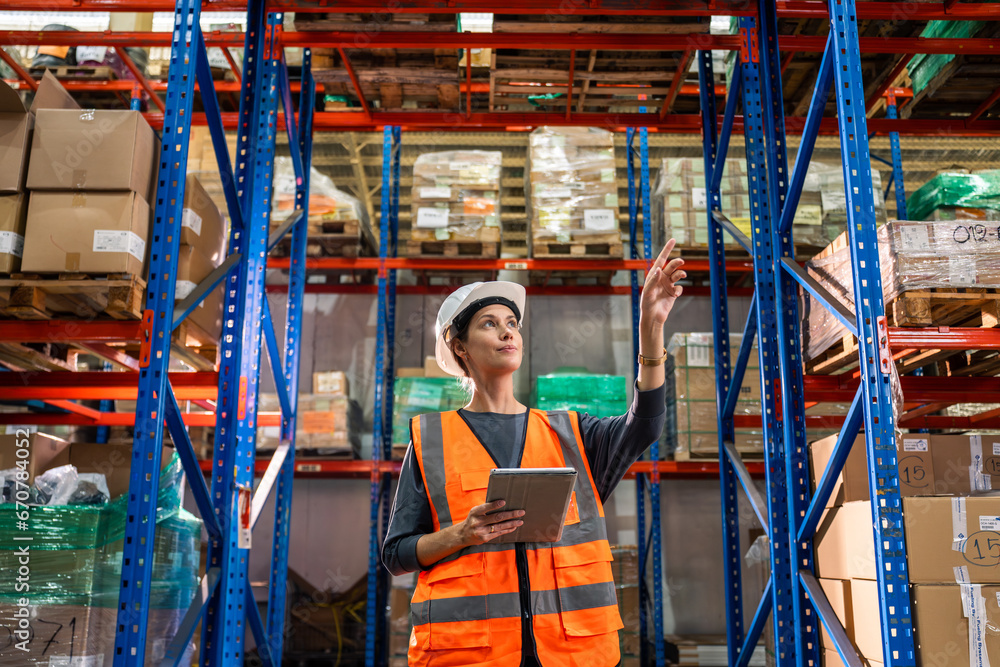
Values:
[(508, 290)]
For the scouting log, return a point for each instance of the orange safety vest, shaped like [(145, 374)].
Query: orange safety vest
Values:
[(466, 609)]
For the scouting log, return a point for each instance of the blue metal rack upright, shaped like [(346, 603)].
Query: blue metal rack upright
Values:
[(225, 604), (789, 515)]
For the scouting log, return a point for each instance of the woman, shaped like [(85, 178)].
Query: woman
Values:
[(478, 602)]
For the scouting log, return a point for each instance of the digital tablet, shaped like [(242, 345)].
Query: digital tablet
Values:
[(543, 493)]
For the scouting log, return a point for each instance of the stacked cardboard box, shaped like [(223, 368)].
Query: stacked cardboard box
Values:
[(597, 395), (202, 250), (91, 174), (331, 210), (456, 196), (325, 425), (680, 203), (912, 256), (75, 561), (16, 125), (203, 163), (625, 568), (572, 186), (951, 532), (691, 406)]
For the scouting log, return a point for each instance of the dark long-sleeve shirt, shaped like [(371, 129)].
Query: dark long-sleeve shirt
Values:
[(612, 445)]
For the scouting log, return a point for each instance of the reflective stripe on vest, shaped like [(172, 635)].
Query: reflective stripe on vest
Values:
[(470, 600)]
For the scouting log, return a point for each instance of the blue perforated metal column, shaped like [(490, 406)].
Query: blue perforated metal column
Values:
[(879, 423), (763, 216), (802, 632), (729, 484), (225, 627), (144, 481)]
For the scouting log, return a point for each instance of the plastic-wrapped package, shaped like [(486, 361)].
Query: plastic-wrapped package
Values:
[(597, 395), (75, 576), (680, 207), (912, 256), (327, 204), (957, 195), (56, 485), (324, 425), (91, 489), (456, 196), (414, 396), (571, 186)]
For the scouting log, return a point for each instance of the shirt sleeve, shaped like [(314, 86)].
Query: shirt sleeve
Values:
[(613, 444), (410, 519)]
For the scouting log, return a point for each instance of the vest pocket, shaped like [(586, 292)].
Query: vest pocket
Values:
[(588, 605), (457, 604)]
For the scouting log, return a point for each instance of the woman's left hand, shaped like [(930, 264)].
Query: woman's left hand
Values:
[(661, 288)]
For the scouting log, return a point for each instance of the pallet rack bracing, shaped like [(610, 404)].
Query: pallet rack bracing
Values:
[(788, 514), (225, 606)]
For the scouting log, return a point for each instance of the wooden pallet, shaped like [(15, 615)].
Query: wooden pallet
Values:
[(344, 238), (964, 307), (118, 296), (466, 249), (98, 73), (592, 246)]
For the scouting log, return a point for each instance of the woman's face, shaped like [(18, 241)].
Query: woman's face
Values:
[(494, 341)]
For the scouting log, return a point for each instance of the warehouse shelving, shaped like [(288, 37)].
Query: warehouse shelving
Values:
[(266, 82)]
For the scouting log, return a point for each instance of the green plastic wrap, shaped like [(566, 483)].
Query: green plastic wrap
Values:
[(76, 550), (939, 197), (923, 67), (414, 396), (597, 395)]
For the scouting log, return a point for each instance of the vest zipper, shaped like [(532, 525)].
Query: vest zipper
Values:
[(528, 647)]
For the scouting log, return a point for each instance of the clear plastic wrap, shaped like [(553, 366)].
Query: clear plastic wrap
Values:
[(571, 184), (680, 207), (957, 195), (55, 486), (327, 204), (456, 196), (912, 256)]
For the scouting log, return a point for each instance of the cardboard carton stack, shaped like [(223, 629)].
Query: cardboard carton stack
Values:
[(76, 555), (456, 197), (16, 126), (331, 210), (572, 193), (91, 175), (569, 389), (625, 568), (913, 256), (328, 423), (951, 524)]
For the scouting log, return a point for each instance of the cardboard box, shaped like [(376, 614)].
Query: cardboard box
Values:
[(928, 465), (944, 533), (15, 139), (43, 451), (92, 232), (941, 628), (838, 594), (13, 214), (93, 150), (832, 659), (208, 315), (432, 370), (114, 461), (867, 618), (192, 268), (60, 634), (202, 224), (331, 382), (845, 543)]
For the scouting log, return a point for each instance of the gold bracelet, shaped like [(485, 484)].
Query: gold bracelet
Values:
[(650, 361)]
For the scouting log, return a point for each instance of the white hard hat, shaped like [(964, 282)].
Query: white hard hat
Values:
[(472, 297)]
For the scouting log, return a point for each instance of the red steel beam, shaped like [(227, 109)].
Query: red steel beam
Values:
[(20, 71), (232, 65), (354, 80), (558, 290), (117, 419), (944, 338), (466, 40), (888, 83), (817, 9), (676, 82), (141, 78), (433, 264), (97, 385), (786, 62), (985, 106), (113, 354), (69, 331)]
